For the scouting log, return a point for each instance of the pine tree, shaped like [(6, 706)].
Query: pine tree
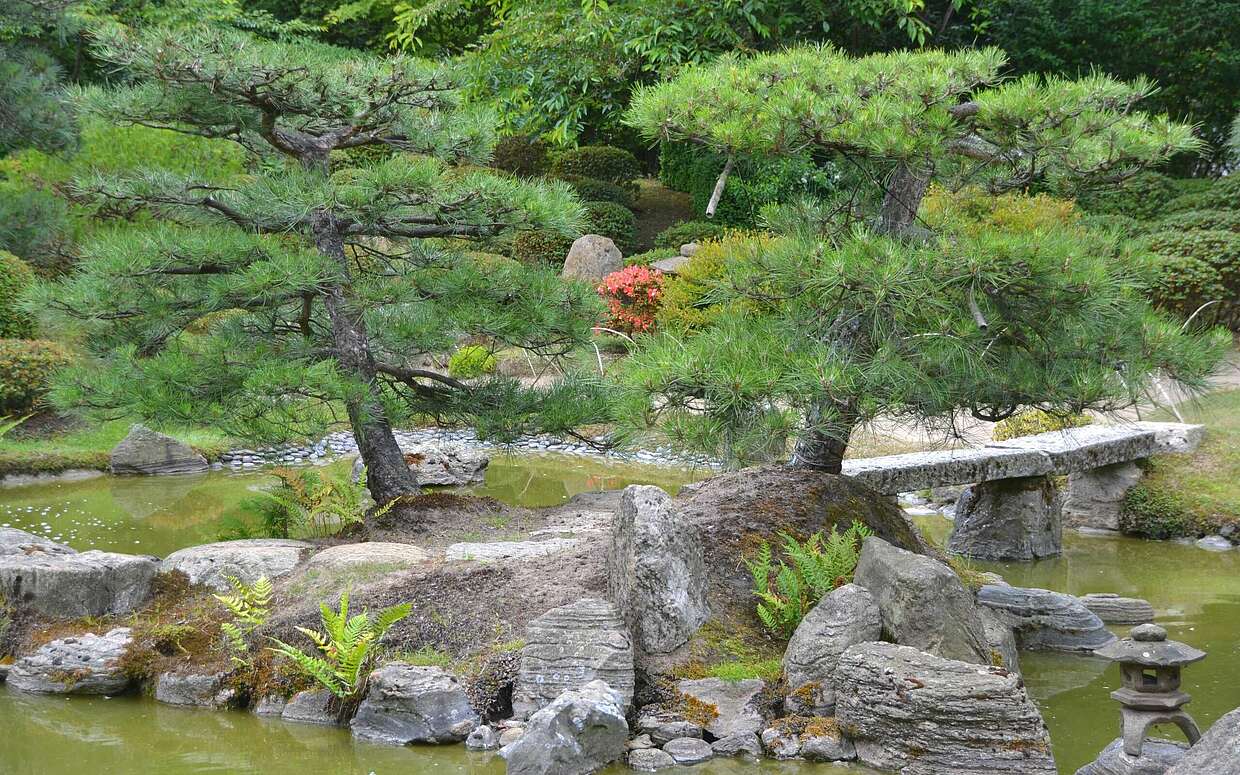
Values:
[(33, 113), (325, 276), (866, 310)]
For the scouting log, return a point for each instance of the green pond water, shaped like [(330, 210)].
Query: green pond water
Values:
[(1196, 594)]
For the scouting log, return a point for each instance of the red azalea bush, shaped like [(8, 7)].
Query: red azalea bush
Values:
[(632, 297)]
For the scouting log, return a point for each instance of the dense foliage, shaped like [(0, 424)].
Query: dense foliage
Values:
[(611, 220), (15, 278), (471, 361), (26, 370)]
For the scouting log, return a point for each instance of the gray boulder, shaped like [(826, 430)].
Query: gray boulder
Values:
[(84, 664), (737, 704), (492, 551), (145, 451), (688, 750), (408, 704), (746, 744), (1095, 498), (923, 602), (247, 560), (1215, 543), (579, 732), (440, 465), (1217, 752), (1045, 620), (1002, 639), (846, 617), (55, 581), (656, 571), (650, 760), (591, 258), (825, 742), (1156, 757), (270, 705), (1114, 609), (569, 647), (919, 714), (1008, 519), (313, 706), (781, 742), (14, 541), (202, 690), (663, 725)]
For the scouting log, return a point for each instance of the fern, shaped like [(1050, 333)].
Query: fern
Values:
[(249, 607), (345, 647), (806, 573)]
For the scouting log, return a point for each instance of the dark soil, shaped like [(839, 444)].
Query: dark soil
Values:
[(657, 208), (46, 425)]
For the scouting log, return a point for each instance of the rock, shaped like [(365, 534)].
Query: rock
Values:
[(689, 249), (688, 750), (650, 760), (351, 565), (84, 664), (912, 471), (1095, 498), (271, 705), (737, 704), (510, 736), (919, 714), (1156, 756), (569, 647), (641, 741), (1173, 437), (656, 572), (509, 550), (247, 560), (1008, 519), (440, 465), (1002, 639), (581, 731), (408, 704), (1114, 609), (145, 451), (822, 741), (203, 690), (847, 616), (663, 725), (1215, 543), (923, 602), (1087, 447), (1045, 620), (484, 738), (671, 265), (310, 707), (14, 541), (781, 743), (1217, 752), (57, 582), (591, 258), (736, 745)]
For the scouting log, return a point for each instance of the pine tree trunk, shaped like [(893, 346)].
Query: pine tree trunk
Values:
[(387, 475), (902, 200), (823, 444)]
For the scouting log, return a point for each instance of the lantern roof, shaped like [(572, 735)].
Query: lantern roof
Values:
[(1147, 645)]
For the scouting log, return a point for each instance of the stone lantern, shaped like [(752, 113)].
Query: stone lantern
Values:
[(1150, 666)]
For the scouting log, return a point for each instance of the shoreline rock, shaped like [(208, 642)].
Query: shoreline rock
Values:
[(85, 664)]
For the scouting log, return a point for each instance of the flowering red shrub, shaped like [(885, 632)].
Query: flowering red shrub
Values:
[(632, 297)]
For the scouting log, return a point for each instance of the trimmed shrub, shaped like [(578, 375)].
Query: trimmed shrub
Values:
[(15, 277), (1142, 196), (601, 162), (541, 247), (1186, 202), (973, 210), (685, 296), (592, 190), (1202, 220), (1192, 268), (26, 366), (521, 155), (1034, 421), (1151, 512), (1123, 225), (471, 361), (632, 296), (650, 256), (612, 220), (688, 231)]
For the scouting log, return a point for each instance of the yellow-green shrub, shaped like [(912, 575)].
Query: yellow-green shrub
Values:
[(1034, 421), (15, 276), (972, 210), (471, 361), (26, 366), (685, 304)]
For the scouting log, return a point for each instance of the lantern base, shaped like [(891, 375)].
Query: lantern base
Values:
[(1136, 723)]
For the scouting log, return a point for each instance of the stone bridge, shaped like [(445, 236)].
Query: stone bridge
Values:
[(1014, 511)]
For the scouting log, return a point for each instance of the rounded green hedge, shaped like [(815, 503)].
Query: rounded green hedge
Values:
[(612, 220), (1193, 268), (688, 231), (541, 247), (15, 276), (1202, 220), (521, 155), (601, 162), (1143, 196), (26, 367), (592, 190)]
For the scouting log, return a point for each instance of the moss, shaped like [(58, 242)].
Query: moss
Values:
[(695, 711), (1034, 421), (427, 656)]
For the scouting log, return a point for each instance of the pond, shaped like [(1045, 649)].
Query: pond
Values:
[(160, 514)]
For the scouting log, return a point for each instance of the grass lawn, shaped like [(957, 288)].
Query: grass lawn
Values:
[(89, 447), (1193, 494)]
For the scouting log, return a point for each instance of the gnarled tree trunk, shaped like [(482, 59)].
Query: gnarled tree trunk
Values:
[(902, 200), (822, 446)]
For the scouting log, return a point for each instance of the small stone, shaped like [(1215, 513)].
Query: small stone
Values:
[(1214, 543), (781, 743), (688, 750), (641, 741), (822, 741), (510, 736), (484, 738), (650, 760), (246, 560), (662, 725), (205, 690), (736, 745), (271, 705), (310, 707), (737, 703)]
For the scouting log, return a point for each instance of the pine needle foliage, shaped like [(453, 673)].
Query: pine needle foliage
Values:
[(807, 571), (249, 606), (346, 647)]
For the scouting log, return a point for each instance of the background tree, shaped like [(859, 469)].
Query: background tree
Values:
[(848, 319), (263, 303), (33, 112)]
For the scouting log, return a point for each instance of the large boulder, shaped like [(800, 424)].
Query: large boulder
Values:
[(923, 603), (443, 465), (55, 581), (1113, 609), (918, 714), (579, 732), (1095, 498), (656, 574), (569, 647), (1008, 519), (203, 690), (145, 451), (844, 618), (591, 258), (1216, 753), (246, 560), (351, 565), (1044, 620), (736, 705), (83, 664), (407, 704), (1156, 757)]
